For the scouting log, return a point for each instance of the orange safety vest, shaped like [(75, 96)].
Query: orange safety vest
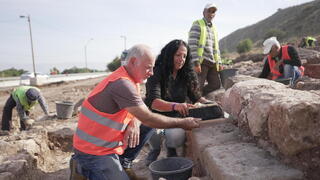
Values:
[(285, 55), (100, 133)]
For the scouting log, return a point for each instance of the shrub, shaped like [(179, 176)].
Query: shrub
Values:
[(12, 72), (275, 32), (244, 46), (115, 64)]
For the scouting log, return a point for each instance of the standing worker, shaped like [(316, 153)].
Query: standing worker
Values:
[(107, 114), (204, 47), (24, 98)]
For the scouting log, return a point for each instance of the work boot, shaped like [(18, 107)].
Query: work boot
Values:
[(152, 156), (74, 175), (132, 175), (171, 152)]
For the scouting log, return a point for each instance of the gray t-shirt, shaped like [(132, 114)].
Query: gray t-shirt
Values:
[(116, 96)]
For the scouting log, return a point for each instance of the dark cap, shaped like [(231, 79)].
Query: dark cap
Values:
[(32, 94)]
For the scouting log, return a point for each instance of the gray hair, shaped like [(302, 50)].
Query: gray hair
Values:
[(137, 51)]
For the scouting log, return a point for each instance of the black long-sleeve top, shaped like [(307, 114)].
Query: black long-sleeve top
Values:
[(171, 90), (295, 61)]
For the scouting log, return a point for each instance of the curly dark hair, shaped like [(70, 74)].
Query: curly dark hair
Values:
[(165, 64)]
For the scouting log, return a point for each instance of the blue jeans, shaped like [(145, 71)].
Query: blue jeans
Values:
[(104, 167), (290, 72), (131, 153)]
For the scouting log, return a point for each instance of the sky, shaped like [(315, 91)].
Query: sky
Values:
[(64, 31)]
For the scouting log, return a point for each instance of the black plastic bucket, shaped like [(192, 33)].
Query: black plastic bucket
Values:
[(64, 109), (172, 168), (225, 74)]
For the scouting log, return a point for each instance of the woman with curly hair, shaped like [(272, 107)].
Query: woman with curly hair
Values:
[(173, 84), (167, 92)]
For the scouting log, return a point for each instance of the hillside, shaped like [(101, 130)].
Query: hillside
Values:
[(291, 24)]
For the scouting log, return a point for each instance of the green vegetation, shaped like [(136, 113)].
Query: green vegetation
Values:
[(12, 72), (275, 32), (54, 70), (226, 61), (244, 46), (115, 64), (288, 23), (78, 70)]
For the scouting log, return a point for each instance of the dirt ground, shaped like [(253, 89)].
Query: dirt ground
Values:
[(75, 91), (70, 91)]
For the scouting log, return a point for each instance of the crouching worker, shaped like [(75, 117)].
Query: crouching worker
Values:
[(282, 62), (24, 98), (106, 116)]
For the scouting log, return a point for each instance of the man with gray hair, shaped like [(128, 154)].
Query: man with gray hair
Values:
[(109, 114), (204, 47), (282, 62)]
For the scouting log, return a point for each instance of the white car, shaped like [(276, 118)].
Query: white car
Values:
[(25, 78)]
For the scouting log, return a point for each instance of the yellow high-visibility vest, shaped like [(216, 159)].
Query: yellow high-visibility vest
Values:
[(19, 94), (313, 41), (202, 41)]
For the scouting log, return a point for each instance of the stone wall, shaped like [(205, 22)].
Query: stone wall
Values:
[(277, 114), (290, 118)]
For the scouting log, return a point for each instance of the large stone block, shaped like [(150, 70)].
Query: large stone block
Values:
[(257, 113), (211, 133), (294, 121), (245, 161), (237, 98), (312, 70), (289, 118), (235, 79)]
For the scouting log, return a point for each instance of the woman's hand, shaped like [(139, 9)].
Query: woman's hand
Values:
[(182, 108)]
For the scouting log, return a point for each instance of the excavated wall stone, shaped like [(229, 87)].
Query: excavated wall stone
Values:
[(222, 152), (289, 118)]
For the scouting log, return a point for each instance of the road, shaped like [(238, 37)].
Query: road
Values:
[(15, 81)]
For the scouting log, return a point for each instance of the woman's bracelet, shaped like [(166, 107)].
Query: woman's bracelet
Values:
[(173, 105)]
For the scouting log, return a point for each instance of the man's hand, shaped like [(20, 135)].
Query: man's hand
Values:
[(277, 66), (189, 123), (132, 134), (29, 122), (221, 67), (197, 68), (183, 108)]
